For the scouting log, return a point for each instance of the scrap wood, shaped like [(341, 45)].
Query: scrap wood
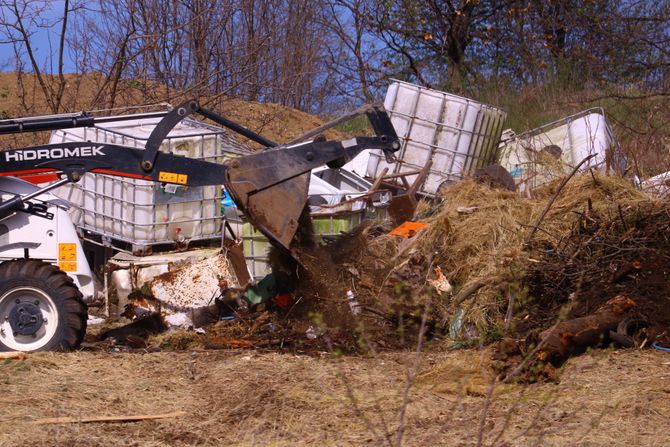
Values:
[(75, 420), (235, 254), (13, 355), (574, 336), (625, 331), (403, 206), (466, 209), (378, 180), (218, 342)]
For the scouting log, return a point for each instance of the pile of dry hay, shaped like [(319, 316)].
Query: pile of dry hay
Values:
[(478, 237)]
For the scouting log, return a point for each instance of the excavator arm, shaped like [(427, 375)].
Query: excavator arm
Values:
[(270, 186)]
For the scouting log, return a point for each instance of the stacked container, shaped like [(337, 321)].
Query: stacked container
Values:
[(458, 134), (137, 215)]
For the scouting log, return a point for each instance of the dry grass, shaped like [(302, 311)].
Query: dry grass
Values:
[(252, 398), (481, 241), (489, 243), (176, 340), (486, 245), (467, 245)]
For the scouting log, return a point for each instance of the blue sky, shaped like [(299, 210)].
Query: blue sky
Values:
[(43, 38)]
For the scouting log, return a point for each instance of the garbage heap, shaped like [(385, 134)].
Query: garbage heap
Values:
[(582, 266), (577, 266)]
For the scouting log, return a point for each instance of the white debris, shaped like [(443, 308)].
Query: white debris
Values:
[(129, 272), (94, 320), (146, 274), (312, 333), (466, 209), (657, 186), (178, 320), (441, 283), (121, 283), (354, 305), (192, 285)]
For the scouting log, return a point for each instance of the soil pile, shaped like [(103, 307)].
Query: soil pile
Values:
[(600, 238), (87, 92)]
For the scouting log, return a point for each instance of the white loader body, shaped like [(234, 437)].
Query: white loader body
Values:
[(54, 241)]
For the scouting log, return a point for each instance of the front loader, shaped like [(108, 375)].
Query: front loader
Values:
[(43, 271)]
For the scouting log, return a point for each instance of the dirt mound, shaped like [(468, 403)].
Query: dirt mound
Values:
[(487, 246), (276, 122), (600, 238), (606, 255)]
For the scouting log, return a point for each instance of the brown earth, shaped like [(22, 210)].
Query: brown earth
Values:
[(600, 239), (623, 254), (244, 398), (276, 122)]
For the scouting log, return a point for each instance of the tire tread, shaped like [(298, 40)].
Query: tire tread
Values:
[(73, 312)]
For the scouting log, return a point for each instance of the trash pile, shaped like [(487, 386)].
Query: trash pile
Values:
[(545, 256), (490, 265), (481, 267)]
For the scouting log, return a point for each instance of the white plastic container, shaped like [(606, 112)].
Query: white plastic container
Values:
[(541, 155), (458, 134), (657, 186), (139, 214)]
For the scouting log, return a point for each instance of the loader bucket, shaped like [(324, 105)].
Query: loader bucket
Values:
[(270, 187), (274, 210)]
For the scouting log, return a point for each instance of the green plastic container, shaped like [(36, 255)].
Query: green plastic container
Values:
[(256, 246)]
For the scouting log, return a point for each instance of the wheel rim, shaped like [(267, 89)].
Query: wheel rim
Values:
[(35, 298)]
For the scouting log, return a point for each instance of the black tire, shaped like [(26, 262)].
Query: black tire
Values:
[(27, 285)]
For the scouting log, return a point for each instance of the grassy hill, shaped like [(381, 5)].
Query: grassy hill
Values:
[(17, 99)]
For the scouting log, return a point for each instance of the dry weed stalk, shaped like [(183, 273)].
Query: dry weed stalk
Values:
[(411, 375)]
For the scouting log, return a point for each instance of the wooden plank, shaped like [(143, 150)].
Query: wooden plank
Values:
[(78, 420), (378, 180)]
